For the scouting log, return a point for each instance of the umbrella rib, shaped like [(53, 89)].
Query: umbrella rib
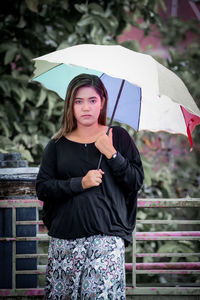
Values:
[(112, 117), (116, 103), (140, 110)]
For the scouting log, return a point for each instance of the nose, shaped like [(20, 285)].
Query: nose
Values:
[(85, 105)]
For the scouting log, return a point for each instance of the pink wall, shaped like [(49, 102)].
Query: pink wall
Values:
[(183, 9)]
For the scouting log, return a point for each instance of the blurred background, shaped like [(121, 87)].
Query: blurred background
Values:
[(169, 30)]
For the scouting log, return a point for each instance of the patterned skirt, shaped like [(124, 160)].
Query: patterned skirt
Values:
[(86, 268)]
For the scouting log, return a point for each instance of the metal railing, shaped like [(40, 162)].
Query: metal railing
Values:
[(160, 268), (136, 268)]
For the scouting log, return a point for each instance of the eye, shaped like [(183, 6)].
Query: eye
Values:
[(77, 101), (93, 101)]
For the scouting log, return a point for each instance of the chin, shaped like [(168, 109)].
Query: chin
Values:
[(89, 122)]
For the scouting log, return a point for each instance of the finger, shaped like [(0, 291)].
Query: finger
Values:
[(101, 172), (98, 180), (110, 135), (99, 175), (96, 177), (110, 132), (95, 173)]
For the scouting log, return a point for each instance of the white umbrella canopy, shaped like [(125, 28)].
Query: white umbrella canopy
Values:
[(163, 102)]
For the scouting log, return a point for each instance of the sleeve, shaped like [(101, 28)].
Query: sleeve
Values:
[(127, 166), (48, 186)]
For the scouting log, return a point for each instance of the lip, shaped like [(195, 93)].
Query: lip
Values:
[(86, 116)]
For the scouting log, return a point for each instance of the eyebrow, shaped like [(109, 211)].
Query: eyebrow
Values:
[(88, 98)]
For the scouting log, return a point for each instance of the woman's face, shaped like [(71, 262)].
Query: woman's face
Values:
[(87, 106)]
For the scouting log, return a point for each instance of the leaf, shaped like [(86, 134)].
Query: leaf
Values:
[(43, 139), (148, 259), (11, 112), (32, 5), (25, 154), (22, 23), (96, 9), (21, 96), (5, 129), (30, 94), (132, 45), (67, 25), (42, 97), (3, 150), (22, 137), (96, 32), (147, 166), (17, 127), (141, 215), (4, 85), (174, 247), (26, 53), (82, 8), (5, 141), (85, 21), (73, 39), (9, 56), (105, 23), (51, 127), (7, 45), (163, 5), (32, 129), (113, 22), (51, 103)]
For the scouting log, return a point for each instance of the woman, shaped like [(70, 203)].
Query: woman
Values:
[(90, 213)]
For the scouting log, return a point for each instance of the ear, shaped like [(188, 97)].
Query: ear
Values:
[(102, 102)]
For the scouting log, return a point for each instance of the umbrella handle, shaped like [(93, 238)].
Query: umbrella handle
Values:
[(99, 163), (100, 158), (111, 120)]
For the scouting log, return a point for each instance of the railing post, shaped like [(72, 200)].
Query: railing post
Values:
[(14, 248), (134, 259)]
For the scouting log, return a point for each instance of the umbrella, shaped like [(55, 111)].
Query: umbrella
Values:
[(149, 96)]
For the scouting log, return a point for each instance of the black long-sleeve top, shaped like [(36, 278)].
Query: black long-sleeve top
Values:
[(71, 212)]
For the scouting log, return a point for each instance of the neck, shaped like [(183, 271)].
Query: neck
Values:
[(88, 131)]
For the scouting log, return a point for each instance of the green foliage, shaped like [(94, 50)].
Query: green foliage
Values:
[(179, 247), (29, 114), (175, 25), (186, 64), (171, 170)]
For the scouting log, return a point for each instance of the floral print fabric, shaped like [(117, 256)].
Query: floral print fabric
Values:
[(86, 268)]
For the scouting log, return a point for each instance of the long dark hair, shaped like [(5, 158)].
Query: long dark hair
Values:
[(83, 80)]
